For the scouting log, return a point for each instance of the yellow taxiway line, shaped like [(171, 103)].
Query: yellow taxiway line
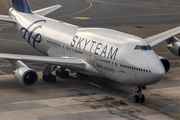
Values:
[(78, 11)]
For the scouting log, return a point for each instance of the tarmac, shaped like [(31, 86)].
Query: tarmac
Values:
[(87, 97)]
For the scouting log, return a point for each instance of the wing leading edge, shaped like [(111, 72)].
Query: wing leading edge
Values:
[(67, 62), (156, 39)]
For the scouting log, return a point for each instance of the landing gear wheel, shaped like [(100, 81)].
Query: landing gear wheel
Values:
[(144, 87), (142, 99), (44, 78), (49, 78), (136, 99), (61, 74), (66, 74), (53, 79), (57, 73)]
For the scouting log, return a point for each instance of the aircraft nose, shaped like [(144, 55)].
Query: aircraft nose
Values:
[(158, 73)]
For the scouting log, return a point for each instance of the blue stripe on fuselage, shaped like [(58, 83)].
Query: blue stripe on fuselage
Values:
[(21, 6)]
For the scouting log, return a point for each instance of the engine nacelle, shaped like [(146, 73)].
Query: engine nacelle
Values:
[(26, 76), (174, 46), (165, 63)]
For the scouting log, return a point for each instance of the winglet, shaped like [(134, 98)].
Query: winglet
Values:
[(22, 6)]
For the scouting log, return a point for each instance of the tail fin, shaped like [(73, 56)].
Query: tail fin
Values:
[(22, 6)]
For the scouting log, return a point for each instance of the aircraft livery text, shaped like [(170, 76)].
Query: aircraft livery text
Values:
[(95, 47)]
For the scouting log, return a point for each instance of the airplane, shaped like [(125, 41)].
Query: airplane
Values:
[(107, 53)]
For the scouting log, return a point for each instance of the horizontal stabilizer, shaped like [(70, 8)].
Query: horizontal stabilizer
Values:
[(6, 18), (67, 62), (47, 10)]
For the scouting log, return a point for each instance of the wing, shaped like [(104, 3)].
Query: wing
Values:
[(156, 39), (47, 10), (6, 18), (67, 62)]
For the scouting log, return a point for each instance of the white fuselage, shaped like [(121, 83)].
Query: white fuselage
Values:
[(109, 53)]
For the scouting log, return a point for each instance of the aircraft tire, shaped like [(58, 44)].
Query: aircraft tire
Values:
[(48, 79), (61, 73), (66, 74), (57, 73), (44, 77), (136, 99), (53, 78), (142, 99)]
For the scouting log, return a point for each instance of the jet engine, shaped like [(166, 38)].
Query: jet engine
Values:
[(165, 63), (174, 45), (26, 76)]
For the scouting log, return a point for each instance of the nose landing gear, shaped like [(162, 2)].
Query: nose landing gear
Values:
[(140, 97)]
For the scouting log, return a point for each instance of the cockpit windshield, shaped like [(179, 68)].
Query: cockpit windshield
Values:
[(143, 47)]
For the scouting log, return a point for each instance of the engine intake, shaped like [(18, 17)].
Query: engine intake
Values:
[(165, 63), (26, 76), (174, 45)]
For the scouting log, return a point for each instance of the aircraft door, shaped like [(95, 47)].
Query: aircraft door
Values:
[(115, 71)]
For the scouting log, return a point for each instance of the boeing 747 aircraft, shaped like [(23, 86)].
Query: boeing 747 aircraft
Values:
[(92, 51)]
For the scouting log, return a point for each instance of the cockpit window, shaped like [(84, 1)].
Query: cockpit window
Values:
[(143, 47), (149, 47), (137, 47)]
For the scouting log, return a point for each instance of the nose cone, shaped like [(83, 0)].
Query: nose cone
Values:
[(158, 73)]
